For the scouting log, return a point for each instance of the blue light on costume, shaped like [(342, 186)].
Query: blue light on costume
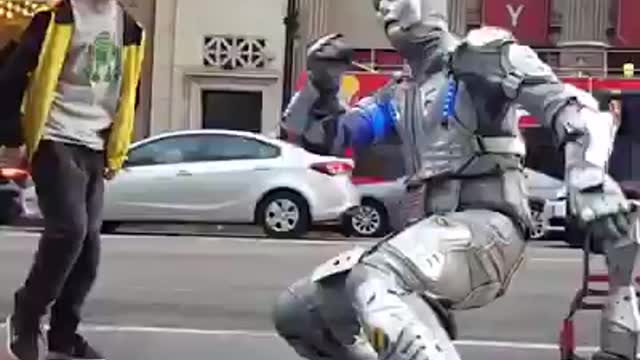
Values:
[(449, 109), (382, 118)]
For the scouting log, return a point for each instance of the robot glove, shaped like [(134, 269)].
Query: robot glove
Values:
[(327, 59), (603, 210)]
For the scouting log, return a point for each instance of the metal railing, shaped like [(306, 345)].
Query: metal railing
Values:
[(551, 56)]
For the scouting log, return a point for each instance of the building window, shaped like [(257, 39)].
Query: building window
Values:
[(232, 110), (617, 58), (233, 52), (378, 59)]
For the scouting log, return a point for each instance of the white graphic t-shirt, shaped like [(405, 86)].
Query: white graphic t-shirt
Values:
[(86, 99)]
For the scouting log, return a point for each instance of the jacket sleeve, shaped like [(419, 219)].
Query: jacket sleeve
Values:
[(14, 77)]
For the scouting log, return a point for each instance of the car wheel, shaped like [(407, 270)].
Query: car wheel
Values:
[(573, 235), (540, 223), (576, 237), (10, 212), (109, 227), (284, 214), (370, 219)]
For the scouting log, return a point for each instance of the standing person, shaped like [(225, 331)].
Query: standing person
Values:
[(78, 65)]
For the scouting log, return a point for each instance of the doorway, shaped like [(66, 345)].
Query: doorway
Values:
[(232, 110)]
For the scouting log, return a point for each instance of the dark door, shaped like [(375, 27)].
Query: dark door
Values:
[(625, 159), (232, 110)]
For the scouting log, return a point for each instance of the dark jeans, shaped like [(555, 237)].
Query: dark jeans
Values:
[(70, 187)]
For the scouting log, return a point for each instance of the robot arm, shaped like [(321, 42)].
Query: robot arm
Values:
[(596, 201), (582, 130), (322, 128), (319, 121)]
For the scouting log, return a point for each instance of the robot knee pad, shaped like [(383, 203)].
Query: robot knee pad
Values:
[(296, 323), (394, 330)]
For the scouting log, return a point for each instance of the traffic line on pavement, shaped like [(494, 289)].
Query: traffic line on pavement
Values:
[(557, 260), (214, 237), (519, 345), (289, 241)]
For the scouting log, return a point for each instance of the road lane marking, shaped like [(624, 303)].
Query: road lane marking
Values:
[(289, 241), (230, 237), (520, 345), (247, 239), (221, 238), (556, 260)]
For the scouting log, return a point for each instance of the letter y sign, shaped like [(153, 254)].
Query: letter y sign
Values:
[(515, 13)]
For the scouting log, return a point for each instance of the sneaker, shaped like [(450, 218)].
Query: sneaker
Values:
[(23, 343), (81, 350)]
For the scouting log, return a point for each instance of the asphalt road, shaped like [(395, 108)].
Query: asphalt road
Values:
[(167, 298)]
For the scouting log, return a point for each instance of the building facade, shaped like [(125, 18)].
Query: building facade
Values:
[(217, 65), (576, 37), (230, 65)]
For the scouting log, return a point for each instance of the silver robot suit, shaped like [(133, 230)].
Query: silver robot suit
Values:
[(456, 116)]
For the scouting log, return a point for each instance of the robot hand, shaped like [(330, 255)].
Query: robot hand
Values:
[(327, 59), (602, 210)]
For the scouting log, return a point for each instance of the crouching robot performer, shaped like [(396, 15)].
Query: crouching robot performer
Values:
[(456, 118)]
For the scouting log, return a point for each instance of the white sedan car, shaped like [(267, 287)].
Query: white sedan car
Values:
[(222, 176)]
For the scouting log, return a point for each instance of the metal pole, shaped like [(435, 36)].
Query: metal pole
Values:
[(291, 29)]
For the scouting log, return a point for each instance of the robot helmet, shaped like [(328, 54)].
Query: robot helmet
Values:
[(417, 29), (411, 13)]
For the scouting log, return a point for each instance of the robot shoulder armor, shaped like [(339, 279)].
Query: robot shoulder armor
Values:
[(487, 35), (525, 60), (583, 97)]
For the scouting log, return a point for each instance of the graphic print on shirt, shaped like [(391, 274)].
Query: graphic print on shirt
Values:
[(103, 65)]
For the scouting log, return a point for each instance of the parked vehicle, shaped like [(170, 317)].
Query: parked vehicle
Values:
[(547, 202), (228, 177), (379, 211), (12, 185)]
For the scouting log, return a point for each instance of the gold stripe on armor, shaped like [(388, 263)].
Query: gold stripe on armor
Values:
[(379, 340)]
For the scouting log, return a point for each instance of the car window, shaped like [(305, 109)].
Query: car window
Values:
[(384, 159), (170, 150), (228, 147), (195, 148)]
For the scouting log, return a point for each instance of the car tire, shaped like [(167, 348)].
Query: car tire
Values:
[(370, 219), (540, 223), (576, 237), (284, 214), (109, 227), (10, 212)]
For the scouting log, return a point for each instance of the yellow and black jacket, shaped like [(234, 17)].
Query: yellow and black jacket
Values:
[(29, 77)]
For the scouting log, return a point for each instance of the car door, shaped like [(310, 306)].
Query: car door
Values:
[(228, 177), (152, 182)]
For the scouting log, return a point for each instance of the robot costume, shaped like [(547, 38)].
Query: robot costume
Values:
[(456, 116)]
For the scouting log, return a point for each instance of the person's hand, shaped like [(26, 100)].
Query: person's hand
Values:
[(109, 174)]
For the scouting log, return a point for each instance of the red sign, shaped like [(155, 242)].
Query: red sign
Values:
[(628, 28), (528, 20), (356, 85)]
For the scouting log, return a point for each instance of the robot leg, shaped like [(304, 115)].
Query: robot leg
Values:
[(394, 330), (463, 259), (620, 323), (306, 317)]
